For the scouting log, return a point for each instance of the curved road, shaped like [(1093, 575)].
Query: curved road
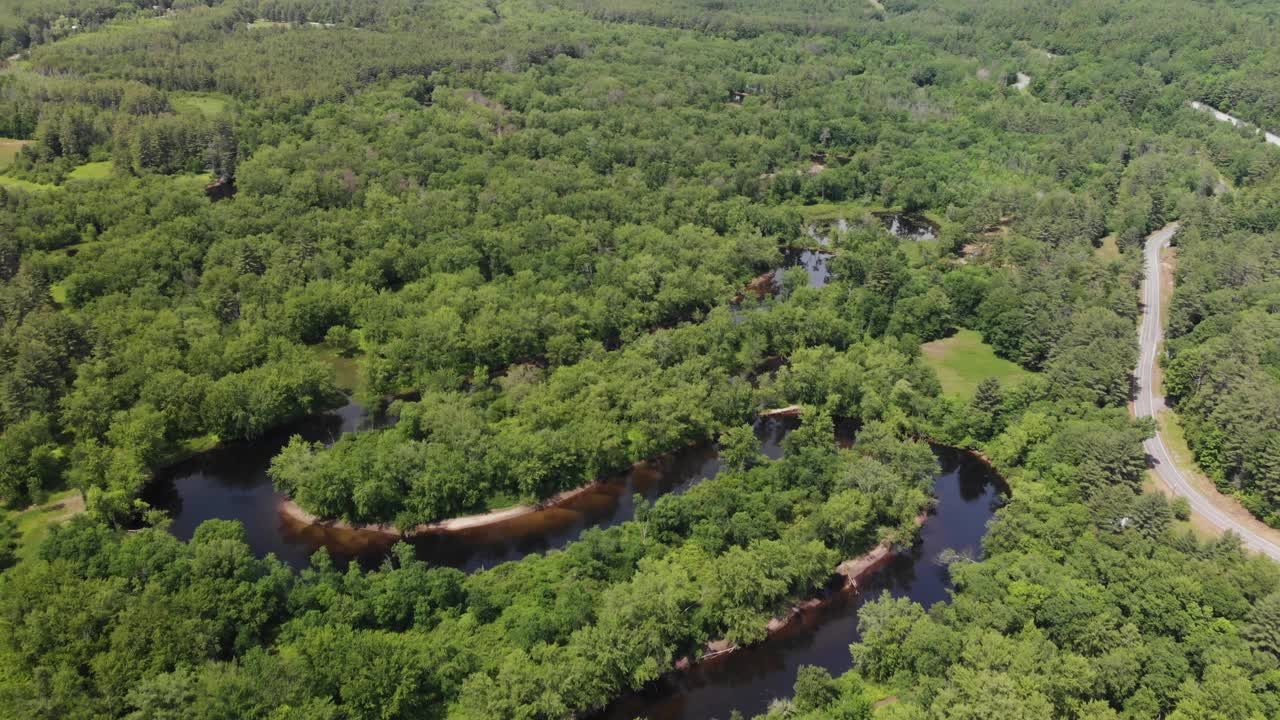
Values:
[(1148, 402)]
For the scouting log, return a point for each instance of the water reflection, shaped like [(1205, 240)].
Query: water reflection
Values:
[(814, 263), (747, 680), (908, 227), (232, 484)]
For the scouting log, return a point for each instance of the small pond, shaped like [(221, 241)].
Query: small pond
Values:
[(908, 226)]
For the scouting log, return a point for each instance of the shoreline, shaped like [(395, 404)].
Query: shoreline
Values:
[(290, 509), (854, 570), (293, 511)]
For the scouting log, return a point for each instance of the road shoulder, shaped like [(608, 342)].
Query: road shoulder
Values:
[(1170, 427)]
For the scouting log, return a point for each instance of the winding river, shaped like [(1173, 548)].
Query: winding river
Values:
[(231, 483), (967, 492)]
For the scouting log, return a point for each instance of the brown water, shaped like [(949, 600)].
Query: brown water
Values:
[(968, 494), (231, 483)]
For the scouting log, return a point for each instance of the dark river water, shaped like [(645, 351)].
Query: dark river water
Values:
[(968, 494), (231, 483)]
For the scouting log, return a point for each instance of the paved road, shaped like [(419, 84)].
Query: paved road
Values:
[(1227, 117), (1149, 400)]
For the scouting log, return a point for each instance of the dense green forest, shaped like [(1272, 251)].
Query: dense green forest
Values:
[(530, 224), (1224, 367)]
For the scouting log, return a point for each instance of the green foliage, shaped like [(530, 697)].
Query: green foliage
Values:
[(537, 216), (1221, 373), (8, 543)]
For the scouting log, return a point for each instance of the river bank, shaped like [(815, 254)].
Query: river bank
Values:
[(849, 574), (819, 631), (233, 484), (296, 513), (292, 510)]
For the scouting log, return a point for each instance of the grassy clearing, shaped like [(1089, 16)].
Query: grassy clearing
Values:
[(24, 185), (834, 211), (9, 149), (963, 360), (188, 448), (1108, 250), (34, 522), (91, 171), (346, 369), (193, 103), (264, 24), (99, 171)]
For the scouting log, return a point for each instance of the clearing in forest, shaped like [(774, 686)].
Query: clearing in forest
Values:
[(9, 149), (963, 360), (35, 522)]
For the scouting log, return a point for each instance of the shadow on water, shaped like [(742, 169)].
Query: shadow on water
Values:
[(908, 226), (968, 494), (231, 483), (814, 263)]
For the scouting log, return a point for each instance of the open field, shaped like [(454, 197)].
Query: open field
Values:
[(91, 171), (963, 360), (9, 148), (1108, 250), (194, 103), (26, 185), (346, 369), (35, 522)]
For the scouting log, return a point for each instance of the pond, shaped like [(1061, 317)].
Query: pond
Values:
[(908, 226), (968, 494), (822, 233), (231, 483), (814, 263)]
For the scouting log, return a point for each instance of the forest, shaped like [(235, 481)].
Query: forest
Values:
[(557, 239)]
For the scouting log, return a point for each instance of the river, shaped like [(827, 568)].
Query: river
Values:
[(231, 483), (968, 494)]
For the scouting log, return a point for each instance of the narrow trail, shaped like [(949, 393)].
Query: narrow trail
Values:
[(1149, 401)]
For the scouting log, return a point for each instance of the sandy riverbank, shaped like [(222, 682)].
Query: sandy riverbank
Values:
[(854, 570), (292, 510)]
